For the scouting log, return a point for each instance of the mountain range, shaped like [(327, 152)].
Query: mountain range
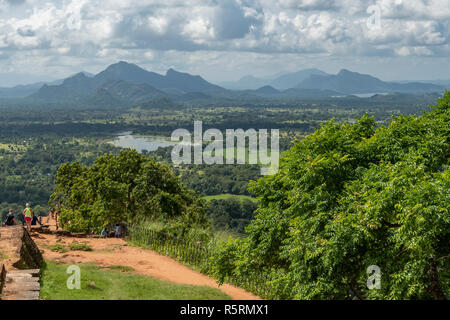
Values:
[(348, 82), (281, 82), (125, 84)]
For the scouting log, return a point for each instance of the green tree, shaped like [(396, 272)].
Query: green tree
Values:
[(348, 197), (125, 188)]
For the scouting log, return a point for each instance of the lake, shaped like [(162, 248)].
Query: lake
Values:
[(369, 95), (127, 140)]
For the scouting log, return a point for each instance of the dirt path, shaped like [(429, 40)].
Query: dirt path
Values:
[(107, 252)]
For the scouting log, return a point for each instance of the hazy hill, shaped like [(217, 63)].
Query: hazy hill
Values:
[(133, 92), (291, 80), (245, 83), (130, 82), (352, 82), (74, 87), (281, 82), (127, 84), (269, 90), (173, 80), (131, 73), (20, 91)]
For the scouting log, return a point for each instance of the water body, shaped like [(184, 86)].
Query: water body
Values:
[(368, 95), (127, 140)]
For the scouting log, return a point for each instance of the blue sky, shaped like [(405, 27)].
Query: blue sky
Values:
[(225, 40)]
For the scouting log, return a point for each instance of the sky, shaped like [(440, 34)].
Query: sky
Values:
[(224, 40)]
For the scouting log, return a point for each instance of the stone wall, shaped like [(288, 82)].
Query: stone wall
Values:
[(20, 275), (2, 277), (30, 255)]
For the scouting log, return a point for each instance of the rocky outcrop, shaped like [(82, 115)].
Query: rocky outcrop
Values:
[(30, 255), (2, 278)]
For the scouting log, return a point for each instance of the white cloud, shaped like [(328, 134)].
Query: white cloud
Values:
[(82, 30)]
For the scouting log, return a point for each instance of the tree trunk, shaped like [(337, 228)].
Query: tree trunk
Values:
[(354, 287), (435, 288)]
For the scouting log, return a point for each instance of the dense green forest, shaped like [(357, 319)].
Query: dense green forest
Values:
[(36, 140)]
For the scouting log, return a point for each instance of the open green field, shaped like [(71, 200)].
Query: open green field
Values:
[(117, 283), (228, 196)]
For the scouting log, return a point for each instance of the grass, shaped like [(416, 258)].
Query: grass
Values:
[(121, 268), (57, 247), (98, 283), (77, 246), (3, 256), (74, 246), (228, 196)]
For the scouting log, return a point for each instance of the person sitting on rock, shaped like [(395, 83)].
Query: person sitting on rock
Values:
[(10, 220)]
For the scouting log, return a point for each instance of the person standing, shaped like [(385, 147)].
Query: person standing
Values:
[(28, 214)]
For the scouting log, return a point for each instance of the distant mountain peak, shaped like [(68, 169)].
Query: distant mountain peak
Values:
[(291, 80), (267, 90), (122, 65), (78, 79), (172, 72), (346, 71), (79, 75)]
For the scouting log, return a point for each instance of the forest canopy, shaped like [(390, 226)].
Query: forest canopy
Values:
[(125, 188), (348, 197)]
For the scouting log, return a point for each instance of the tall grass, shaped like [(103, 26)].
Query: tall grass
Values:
[(189, 252)]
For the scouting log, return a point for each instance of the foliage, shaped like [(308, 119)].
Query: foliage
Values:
[(196, 254), (232, 213), (36, 140), (187, 250), (124, 188), (77, 246), (58, 247), (219, 179), (348, 197), (28, 166), (121, 268)]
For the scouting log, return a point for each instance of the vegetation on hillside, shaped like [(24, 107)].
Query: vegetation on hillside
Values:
[(348, 197), (231, 213)]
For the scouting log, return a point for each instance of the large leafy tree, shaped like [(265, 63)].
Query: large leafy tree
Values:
[(125, 188), (349, 197)]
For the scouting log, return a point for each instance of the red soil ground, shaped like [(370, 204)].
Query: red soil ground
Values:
[(111, 251)]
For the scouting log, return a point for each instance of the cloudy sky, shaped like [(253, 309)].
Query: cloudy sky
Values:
[(225, 39)]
